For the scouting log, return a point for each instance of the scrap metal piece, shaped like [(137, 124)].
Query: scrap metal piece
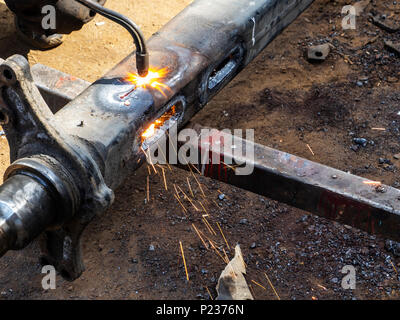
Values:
[(387, 24), (319, 52), (231, 284)]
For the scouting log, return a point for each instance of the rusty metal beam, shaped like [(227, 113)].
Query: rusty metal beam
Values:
[(307, 185)]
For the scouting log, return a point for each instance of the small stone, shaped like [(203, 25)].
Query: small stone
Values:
[(319, 52), (335, 280), (397, 156), (393, 247), (221, 196), (243, 221), (151, 248), (253, 245), (361, 141)]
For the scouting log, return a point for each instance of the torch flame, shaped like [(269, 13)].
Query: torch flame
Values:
[(152, 80)]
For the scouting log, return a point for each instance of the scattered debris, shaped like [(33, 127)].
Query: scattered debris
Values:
[(393, 46), (232, 285), (393, 247), (319, 52), (383, 22)]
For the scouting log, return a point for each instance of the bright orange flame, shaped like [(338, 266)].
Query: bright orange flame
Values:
[(152, 80), (151, 130)]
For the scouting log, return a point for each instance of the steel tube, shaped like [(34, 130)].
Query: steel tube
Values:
[(192, 46), (96, 138)]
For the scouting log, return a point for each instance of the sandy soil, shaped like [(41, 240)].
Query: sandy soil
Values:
[(290, 103)]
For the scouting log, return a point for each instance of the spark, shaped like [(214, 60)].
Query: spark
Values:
[(153, 80), (271, 285), (394, 268), (203, 208), (256, 283), (188, 198), (176, 190), (217, 252), (165, 157), (209, 225), (309, 148), (322, 287), (373, 183), (165, 180), (201, 238), (190, 188), (184, 260), (219, 227), (183, 207), (209, 293), (148, 156)]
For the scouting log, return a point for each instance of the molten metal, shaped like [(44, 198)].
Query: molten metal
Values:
[(152, 129)]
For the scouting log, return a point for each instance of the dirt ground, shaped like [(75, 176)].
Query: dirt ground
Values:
[(132, 252)]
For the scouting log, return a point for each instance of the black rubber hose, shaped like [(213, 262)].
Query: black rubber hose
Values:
[(142, 55)]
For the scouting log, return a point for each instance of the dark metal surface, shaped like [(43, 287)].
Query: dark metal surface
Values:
[(90, 144)]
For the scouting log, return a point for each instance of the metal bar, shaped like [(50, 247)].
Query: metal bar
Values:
[(313, 187)]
